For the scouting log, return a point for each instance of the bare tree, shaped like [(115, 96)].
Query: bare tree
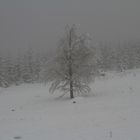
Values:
[(73, 66)]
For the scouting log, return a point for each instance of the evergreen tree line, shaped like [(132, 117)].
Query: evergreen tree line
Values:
[(26, 68), (120, 57)]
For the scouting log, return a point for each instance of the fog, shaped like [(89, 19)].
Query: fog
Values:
[(39, 24)]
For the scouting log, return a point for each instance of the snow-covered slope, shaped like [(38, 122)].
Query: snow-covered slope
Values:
[(112, 112)]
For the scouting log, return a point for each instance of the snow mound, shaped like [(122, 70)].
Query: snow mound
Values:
[(78, 100)]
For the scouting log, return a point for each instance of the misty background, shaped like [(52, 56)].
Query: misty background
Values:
[(40, 24)]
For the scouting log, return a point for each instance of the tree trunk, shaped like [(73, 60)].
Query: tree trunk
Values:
[(71, 79), (70, 65), (71, 90)]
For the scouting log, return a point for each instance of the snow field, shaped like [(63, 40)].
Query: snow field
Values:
[(112, 112)]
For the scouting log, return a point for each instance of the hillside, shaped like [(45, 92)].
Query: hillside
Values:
[(110, 112)]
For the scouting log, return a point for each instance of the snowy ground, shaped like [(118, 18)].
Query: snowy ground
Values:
[(29, 112)]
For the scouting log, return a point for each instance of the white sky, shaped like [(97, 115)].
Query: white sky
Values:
[(40, 23)]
